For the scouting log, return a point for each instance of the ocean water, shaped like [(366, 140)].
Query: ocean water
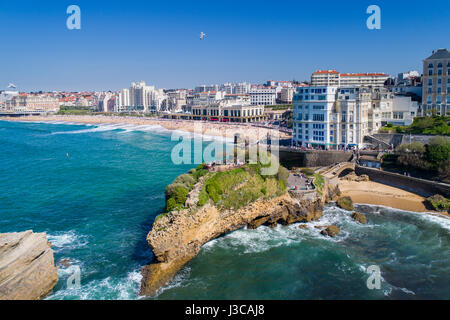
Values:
[(96, 190)]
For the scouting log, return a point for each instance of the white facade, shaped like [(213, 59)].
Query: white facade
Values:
[(333, 117), (263, 96), (404, 110), (312, 109), (287, 94), (334, 78)]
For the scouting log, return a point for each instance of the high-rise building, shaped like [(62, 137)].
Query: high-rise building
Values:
[(436, 84)]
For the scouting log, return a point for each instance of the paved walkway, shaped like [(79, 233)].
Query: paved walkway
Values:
[(299, 182)]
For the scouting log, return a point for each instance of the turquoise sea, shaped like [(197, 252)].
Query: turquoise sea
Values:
[(96, 190)]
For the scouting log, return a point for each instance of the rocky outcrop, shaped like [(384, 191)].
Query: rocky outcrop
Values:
[(177, 237), (354, 177), (345, 203), (359, 217), (27, 268), (331, 231)]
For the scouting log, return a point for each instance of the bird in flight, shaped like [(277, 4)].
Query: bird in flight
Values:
[(202, 35)]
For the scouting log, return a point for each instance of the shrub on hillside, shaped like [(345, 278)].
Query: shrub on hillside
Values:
[(185, 179), (170, 189), (283, 175), (171, 205)]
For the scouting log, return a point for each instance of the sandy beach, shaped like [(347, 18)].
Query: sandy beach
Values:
[(370, 192), (199, 127)]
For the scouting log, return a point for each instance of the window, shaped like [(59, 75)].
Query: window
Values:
[(439, 65), (430, 72), (318, 117), (430, 65)]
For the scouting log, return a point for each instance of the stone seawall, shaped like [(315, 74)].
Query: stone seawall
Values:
[(312, 158), (421, 187)]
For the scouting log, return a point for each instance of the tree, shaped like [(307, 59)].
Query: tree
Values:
[(438, 150)]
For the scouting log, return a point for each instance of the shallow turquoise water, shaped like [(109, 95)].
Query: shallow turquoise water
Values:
[(96, 190)]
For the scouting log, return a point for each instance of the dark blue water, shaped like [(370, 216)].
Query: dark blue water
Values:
[(97, 189)]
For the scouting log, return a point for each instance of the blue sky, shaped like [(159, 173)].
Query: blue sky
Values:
[(158, 41)]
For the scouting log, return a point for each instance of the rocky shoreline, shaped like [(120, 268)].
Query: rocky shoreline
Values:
[(176, 238), (27, 267)]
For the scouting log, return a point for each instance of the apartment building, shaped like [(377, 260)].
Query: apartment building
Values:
[(436, 84), (335, 117), (334, 78), (141, 97), (260, 95)]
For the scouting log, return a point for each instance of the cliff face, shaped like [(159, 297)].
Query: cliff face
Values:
[(27, 268), (177, 238)]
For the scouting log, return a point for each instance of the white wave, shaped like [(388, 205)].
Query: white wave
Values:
[(433, 217), (66, 240), (109, 288), (100, 128), (265, 238), (177, 281)]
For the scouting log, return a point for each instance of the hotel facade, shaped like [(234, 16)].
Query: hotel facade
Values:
[(336, 117)]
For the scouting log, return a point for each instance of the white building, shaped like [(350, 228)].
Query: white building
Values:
[(287, 94), (140, 97), (263, 96), (334, 117), (334, 78), (124, 100), (404, 110)]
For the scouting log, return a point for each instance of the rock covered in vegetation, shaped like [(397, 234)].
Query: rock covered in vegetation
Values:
[(331, 231), (27, 268), (177, 238), (359, 217), (345, 203), (439, 203)]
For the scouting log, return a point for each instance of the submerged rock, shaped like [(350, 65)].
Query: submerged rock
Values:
[(359, 217), (27, 268), (331, 231)]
